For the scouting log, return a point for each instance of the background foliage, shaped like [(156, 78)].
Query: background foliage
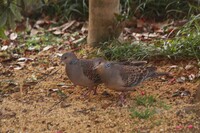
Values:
[(184, 44)]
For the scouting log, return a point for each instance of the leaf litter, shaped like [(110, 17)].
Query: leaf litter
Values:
[(35, 91)]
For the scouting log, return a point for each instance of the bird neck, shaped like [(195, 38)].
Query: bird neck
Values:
[(73, 61)]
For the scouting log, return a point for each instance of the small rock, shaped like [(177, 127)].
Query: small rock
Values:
[(4, 48), (191, 77), (185, 93), (189, 66), (181, 92), (181, 79)]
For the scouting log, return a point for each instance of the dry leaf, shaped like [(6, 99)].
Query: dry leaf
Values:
[(13, 36), (34, 32), (57, 32), (24, 59), (4, 48), (47, 48), (67, 25)]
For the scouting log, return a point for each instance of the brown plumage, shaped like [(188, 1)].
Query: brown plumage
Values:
[(124, 77), (80, 71)]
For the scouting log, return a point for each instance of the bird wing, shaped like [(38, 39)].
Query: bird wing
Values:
[(87, 67), (133, 75)]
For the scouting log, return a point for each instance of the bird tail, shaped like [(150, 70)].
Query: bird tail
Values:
[(155, 74), (161, 74)]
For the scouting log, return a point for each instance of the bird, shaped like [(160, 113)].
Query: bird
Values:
[(124, 78), (80, 71)]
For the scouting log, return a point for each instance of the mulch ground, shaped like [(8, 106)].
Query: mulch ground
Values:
[(40, 98)]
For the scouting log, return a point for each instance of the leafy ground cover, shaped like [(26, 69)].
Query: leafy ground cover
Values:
[(36, 95)]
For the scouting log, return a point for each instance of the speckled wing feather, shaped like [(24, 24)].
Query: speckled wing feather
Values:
[(133, 75), (87, 67)]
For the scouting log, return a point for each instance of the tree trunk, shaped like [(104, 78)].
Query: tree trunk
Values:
[(102, 21)]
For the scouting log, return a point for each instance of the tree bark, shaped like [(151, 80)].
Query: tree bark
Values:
[(102, 21)]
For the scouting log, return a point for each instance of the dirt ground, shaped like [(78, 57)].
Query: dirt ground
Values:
[(51, 104)]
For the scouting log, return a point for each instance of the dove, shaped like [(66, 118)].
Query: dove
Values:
[(124, 78), (80, 71)]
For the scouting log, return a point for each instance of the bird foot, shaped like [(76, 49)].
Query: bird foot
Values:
[(85, 94), (88, 92), (94, 91), (122, 100)]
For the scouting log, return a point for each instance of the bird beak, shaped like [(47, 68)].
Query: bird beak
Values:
[(61, 62)]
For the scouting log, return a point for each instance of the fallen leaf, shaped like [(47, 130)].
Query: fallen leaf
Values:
[(67, 25), (57, 32), (58, 54), (18, 67), (84, 28), (50, 68), (34, 32), (4, 48), (188, 67), (181, 79), (24, 59), (13, 36), (39, 22), (47, 48)]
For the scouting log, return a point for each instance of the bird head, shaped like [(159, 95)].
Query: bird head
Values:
[(101, 64), (68, 57)]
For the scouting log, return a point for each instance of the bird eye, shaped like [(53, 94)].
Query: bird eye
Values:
[(107, 65)]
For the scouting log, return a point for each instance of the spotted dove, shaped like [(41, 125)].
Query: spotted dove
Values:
[(124, 78), (80, 71)]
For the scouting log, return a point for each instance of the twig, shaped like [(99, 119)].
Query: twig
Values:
[(48, 75), (51, 108), (36, 71)]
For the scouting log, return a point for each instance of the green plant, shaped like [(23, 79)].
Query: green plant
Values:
[(186, 42), (66, 9), (164, 105), (147, 107), (114, 50), (9, 13), (127, 8), (163, 9), (145, 100), (145, 114)]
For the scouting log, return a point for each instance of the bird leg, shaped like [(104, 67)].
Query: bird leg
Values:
[(90, 89), (122, 98), (95, 90)]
